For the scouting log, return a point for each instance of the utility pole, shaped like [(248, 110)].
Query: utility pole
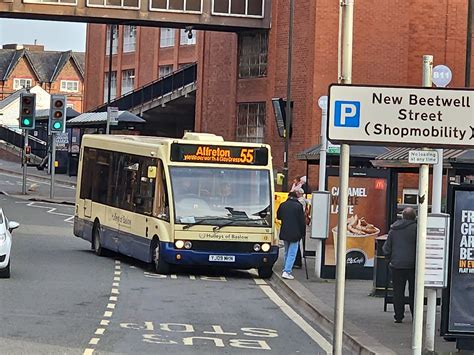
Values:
[(288, 97), (347, 8)]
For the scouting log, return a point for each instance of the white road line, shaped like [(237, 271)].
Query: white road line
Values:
[(113, 298), (108, 314), (94, 341), (52, 210), (88, 352), (104, 322), (100, 331), (297, 319)]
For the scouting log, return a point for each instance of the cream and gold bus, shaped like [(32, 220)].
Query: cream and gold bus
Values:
[(198, 200)]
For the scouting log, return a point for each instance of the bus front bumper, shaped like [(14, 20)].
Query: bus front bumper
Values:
[(204, 258)]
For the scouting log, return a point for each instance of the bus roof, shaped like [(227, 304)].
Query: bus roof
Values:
[(152, 141)]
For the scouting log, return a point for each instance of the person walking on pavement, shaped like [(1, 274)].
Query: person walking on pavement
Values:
[(400, 250), (292, 229)]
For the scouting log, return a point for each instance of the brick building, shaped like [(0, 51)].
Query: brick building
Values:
[(55, 72), (239, 74)]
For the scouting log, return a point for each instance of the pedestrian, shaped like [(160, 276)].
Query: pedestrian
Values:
[(400, 250), (292, 229), (298, 264)]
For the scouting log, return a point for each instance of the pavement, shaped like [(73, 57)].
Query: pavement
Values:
[(367, 328), (35, 192)]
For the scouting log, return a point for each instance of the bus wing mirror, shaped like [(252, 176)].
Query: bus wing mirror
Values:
[(151, 172)]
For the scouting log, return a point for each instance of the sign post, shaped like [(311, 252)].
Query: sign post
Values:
[(416, 117), (112, 118), (347, 15)]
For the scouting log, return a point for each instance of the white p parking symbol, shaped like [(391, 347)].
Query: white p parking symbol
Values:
[(347, 114)]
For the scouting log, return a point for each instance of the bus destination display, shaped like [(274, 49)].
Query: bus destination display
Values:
[(203, 153)]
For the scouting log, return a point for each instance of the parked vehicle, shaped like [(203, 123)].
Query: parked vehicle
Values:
[(6, 229)]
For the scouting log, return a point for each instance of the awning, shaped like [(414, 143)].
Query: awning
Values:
[(357, 151), (44, 114), (89, 119)]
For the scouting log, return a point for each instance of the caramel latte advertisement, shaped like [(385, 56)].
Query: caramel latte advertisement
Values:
[(366, 219)]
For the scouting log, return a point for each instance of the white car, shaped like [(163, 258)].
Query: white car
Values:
[(6, 228)]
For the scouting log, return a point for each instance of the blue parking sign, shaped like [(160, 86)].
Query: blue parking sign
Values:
[(347, 114)]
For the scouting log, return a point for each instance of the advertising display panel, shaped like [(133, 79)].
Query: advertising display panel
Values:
[(367, 219), (461, 286)]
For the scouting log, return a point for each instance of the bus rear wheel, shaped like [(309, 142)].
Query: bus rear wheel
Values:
[(160, 265), (265, 272)]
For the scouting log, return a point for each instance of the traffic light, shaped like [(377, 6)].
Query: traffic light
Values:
[(279, 109), (27, 110), (57, 114)]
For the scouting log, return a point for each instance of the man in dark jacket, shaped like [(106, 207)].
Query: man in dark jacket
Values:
[(292, 229), (400, 250)]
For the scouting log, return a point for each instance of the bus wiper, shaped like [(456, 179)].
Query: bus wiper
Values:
[(232, 221), (202, 221)]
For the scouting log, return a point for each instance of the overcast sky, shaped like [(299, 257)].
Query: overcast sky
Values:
[(55, 36)]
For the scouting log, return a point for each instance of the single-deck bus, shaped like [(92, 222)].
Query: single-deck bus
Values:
[(198, 200)]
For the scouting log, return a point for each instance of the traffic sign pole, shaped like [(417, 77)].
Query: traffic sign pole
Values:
[(25, 165), (347, 8), (52, 164), (423, 183)]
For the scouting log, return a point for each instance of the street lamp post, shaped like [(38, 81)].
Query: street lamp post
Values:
[(288, 97)]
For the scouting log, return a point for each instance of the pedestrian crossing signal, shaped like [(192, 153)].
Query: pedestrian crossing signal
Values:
[(27, 110)]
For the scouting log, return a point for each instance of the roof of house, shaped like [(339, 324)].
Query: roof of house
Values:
[(45, 64)]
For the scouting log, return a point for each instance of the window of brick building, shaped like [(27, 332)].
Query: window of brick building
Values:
[(177, 5), (70, 85), (114, 40), (19, 83), (128, 80), (253, 54), (166, 37), (165, 70), (126, 4), (242, 8), (129, 38), (251, 122), (184, 40), (113, 86)]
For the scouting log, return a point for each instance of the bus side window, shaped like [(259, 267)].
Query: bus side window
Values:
[(161, 199), (88, 160)]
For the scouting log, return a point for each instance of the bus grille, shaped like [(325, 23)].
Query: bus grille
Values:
[(224, 247)]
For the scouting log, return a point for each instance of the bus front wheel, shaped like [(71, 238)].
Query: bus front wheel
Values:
[(265, 272), (96, 243), (161, 266)]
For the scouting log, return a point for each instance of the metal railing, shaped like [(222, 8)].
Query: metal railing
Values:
[(158, 88)]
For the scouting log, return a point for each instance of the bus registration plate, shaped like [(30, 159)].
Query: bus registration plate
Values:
[(222, 258)]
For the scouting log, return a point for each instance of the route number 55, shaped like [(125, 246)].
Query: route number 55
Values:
[(246, 155)]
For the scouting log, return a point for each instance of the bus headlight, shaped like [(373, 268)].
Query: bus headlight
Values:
[(256, 247), (265, 247), (188, 244), (179, 244)]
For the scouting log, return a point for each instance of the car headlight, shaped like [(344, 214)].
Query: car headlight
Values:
[(3, 238), (188, 245), (179, 244), (265, 247), (256, 247)]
